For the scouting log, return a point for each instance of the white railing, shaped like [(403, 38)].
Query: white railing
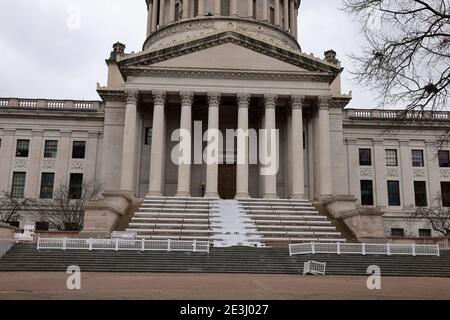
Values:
[(314, 268), (122, 245), (364, 249)]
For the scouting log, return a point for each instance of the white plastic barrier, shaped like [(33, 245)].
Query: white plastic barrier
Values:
[(122, 245), (364, 249), (314, 268)]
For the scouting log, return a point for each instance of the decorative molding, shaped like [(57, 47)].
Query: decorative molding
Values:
[(132, 96), (366, 172), (20, 163), (270, 100), (324, 102), (297, 101), (445, 173), (187, 98), (77, 165), (49, 164), (111, 95), (159, 97), (243, 99), (419, 173), (214, 99), (392, 172)]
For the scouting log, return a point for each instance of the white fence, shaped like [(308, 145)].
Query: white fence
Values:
[(314, 268), (364, 249), (121, 245)]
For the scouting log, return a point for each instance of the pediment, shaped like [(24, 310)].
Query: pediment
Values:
[(228, 51)]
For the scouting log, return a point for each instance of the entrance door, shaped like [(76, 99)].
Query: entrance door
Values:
[(227, 181)]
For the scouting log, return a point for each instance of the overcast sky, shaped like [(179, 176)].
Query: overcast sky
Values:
[(48, 54)]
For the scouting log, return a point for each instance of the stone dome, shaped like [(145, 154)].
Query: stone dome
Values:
[(172, 22)]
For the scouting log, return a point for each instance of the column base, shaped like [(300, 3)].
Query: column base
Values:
[(183, 195), (271, 196), (298, 196), (242, 196), (154, 194), (211, 195), (325, 197)]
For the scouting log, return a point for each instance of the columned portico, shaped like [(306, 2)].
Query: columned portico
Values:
[(184, 167), (270, 175), (243, 100), (298, 176), (324, 147), (129, 142), (157, 151), (212, 166)]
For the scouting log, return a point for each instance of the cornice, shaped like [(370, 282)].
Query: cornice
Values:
[(112, 95)]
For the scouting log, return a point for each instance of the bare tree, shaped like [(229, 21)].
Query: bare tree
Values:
[(406, 56), (65, 211), (438, 217), (11, 208)]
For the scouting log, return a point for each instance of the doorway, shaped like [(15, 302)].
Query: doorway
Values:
[(227, 181)]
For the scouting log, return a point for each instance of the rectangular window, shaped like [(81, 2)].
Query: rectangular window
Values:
[(51, 149), (445, 192), (272, 15), (420, 193), (225, 7), (425, 233), (417, 158), (79, 150), (444, 158), (365, 157), (391, 158), (42, 226), (76, 185), (22, 148), (397, 232), (393, 188), (18, 184), (148, 136), (47, 183), (366, 193)]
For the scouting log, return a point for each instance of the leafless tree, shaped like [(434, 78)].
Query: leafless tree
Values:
[(11, 208), (406, 55), (65, 211), (438, 217)]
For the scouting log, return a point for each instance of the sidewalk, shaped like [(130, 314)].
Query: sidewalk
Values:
[(216, 286)]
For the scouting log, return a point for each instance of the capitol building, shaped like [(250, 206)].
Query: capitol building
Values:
[(214, 66)]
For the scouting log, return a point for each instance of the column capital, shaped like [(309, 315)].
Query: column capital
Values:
[(159, 97), (297, 101), (132, 96), (214, 98), (270, 100), (243, 99), (187, 98), (324, 102)]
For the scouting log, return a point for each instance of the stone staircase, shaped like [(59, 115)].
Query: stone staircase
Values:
[(25, 257), (261, 222)]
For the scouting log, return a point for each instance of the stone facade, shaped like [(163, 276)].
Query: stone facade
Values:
[(212, 64)]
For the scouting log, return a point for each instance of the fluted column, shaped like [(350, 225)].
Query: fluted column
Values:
[(212, 166), (157, 153), (292, 16), (217, 7), (201, 7), (270, 150), (295, 24), (129, 142), (185, 9), (155, 15), (265, 10), (243, 100), (277, 13), (250, 8), (149, 17), (298, 174), (286, 14), (172, 11), (184, 167), (324, 147), (162, 7), (233, 9)]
